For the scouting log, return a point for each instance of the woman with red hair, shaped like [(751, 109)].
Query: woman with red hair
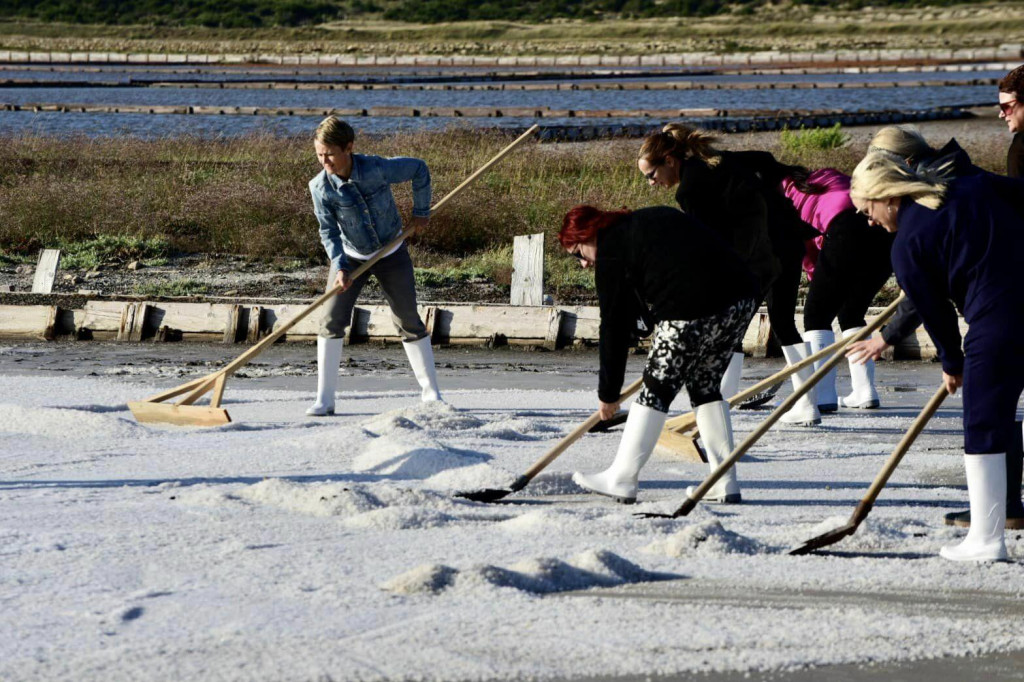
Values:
[(685, 280)]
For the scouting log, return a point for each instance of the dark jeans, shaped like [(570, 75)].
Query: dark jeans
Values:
[(853, 265), (395, 275)]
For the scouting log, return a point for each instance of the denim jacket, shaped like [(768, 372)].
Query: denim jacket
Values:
[(360, 212)]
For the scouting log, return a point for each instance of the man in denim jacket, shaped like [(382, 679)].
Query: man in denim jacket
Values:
[(357, 214)]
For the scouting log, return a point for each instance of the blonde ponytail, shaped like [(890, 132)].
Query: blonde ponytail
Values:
[(682, 142)]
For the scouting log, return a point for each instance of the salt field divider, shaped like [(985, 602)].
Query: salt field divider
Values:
[(232, 320)]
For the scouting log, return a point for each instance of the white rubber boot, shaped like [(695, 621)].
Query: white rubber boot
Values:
[(862, 377), (715, 429), (640, 435), (421, 357), (328, 357), (986, 488), (805, 412), (824, 390), (732, 376)]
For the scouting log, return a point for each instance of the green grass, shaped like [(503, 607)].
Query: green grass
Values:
[(113, 249), (800, 142), (179, 287)]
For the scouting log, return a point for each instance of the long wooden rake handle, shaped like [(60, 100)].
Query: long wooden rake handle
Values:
[(574, 436), (789, 402), (280, 331), (927, 412), (688, 420)]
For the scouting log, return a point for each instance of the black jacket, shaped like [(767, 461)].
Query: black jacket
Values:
[(726, 198), (784, 221), (679, 268)]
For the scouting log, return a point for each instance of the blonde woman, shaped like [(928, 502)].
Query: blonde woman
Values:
[(961, 243), (358, 217)]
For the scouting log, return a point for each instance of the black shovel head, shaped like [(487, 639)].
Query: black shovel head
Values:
[(602, 426), (756, 401), (485, 495), (825, 539)]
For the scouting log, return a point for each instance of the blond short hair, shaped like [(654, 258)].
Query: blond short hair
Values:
[(332, 130), (905, 142), (881, 176)]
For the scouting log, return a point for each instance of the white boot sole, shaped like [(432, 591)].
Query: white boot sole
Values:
[(870, 404), (320, 412), (729, 498), (580, 479), (986, 553)]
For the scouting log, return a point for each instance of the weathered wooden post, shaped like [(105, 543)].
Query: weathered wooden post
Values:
[(528, 270), (46, 271)]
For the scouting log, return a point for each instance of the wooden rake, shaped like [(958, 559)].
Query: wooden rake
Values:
[(864, 508), (186, 413), (679, 437), (702, 490)]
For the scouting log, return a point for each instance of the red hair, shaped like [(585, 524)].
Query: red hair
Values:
[(582, 223)]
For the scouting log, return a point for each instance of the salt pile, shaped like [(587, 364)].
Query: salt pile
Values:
[(592, 568), (706, 538), (71, 424)]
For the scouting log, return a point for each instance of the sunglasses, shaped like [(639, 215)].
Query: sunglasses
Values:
[(1007, 107), (650, 174)]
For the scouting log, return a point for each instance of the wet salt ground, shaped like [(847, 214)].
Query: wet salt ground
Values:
[(285, 547)]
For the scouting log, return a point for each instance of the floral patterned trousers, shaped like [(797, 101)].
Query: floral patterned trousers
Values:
[(694, 354)]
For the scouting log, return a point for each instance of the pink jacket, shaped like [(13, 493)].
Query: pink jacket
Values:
[(818, 210)]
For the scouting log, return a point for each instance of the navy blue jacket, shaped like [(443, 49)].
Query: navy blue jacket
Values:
[(966, 253)]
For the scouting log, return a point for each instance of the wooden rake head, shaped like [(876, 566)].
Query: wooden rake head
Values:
[(154, 410)]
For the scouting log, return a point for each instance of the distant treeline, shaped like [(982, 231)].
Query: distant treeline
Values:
[(290, 13)]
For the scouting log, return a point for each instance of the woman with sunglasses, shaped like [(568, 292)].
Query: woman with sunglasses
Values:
[(960, 243), (1012, 111), (701, 297), (722, 191)]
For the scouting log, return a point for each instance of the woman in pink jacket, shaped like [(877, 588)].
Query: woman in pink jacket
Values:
[(847, 265)]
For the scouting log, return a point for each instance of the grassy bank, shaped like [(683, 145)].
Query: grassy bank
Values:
[(122, 199), (797, 27)]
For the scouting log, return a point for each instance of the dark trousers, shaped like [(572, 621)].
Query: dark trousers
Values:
[(853, 265), (993, 383), (781, 298), (395, 275)]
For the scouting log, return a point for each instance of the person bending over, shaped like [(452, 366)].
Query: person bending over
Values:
[(701, 298), (958, 243)]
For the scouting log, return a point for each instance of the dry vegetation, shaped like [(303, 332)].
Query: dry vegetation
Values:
[(783, 28)]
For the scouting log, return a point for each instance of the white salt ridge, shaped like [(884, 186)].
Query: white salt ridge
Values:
[(434, 415), (399, 518), (67, 423), (705, 538), (592, 568), (314, 499), (411, 455), (518, 428), (471, 478)]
